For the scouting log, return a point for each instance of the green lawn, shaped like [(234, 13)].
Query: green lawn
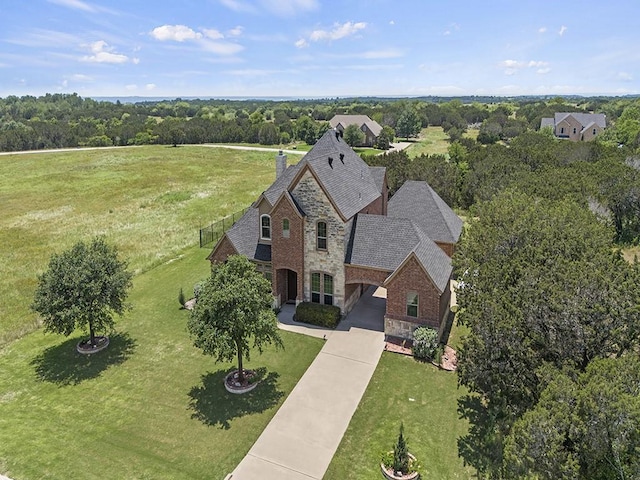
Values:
[(421, 396), (151, 406), (149, 201), (433, 140)]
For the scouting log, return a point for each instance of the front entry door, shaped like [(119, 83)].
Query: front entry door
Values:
[(292, 286)]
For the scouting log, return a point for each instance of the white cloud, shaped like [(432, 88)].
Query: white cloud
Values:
[(339, 31), (236, 32), (512, 67), (221, 48), (212, 33), (562, 30), (392, 22), (131, 87), (177, 33), (625, 76), (542, 29), (82, 6), (302, 43), (103, 53), (150, 86)]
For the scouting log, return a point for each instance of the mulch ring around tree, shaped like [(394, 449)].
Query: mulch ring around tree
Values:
[(86, 348), (250, 381)]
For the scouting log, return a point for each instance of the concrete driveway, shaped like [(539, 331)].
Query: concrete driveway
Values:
[(302, 437)]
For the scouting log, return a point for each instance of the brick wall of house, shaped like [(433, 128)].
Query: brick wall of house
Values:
[(411, 278), (287, 253), (222, 250), (448, 248), (317, 206), (588, 133), (369, 276)]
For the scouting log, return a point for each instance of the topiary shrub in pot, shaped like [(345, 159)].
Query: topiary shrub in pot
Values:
[(399, 464)]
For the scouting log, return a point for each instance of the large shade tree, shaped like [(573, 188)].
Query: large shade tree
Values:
[(543, 288), (83, 287), (234, 313)]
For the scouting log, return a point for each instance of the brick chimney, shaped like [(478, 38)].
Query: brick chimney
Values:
[(281, 163)]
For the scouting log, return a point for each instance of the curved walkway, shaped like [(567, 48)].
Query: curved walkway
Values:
[(302, 437)]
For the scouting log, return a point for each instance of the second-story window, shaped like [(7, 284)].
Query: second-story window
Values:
[(265, 227), (321, 235), (285, 227)]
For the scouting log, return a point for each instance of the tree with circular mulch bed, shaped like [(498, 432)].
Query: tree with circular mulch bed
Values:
[(83, 288), (234, 313)]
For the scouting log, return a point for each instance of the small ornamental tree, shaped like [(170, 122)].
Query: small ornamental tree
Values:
[(83, 287), (401, 454), (233, 313)]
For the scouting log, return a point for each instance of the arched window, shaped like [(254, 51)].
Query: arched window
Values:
[(285, 227), (265, 227), (321, 235), (412, 304)]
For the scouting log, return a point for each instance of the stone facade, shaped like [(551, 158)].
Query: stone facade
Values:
[(315, 203)]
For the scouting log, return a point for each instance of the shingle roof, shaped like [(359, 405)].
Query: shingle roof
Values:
[(378, 174), (384, 243), (244, 236), (599, 119), (547, 122), (420, 203), (359, 120)]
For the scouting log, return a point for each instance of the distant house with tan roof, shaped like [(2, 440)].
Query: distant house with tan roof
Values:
[(325, 230), (578, 127), (370, 128)]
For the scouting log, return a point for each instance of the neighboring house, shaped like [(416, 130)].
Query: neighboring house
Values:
[(370, 128), (576, 126), (324, 231)]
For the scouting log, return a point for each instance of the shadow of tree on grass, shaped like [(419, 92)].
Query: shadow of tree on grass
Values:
[(213, 405), (481, 447), (63, 365)]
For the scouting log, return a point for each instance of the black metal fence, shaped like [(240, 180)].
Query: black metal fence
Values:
[(211, 235)]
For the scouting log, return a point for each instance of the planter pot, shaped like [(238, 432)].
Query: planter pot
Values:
[(85, 348), (389, 474), (236, 387)]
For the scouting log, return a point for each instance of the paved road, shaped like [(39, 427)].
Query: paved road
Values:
[(302, 437)]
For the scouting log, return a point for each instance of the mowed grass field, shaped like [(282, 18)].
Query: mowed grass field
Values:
[(424, 399), (150, 406), (433, 140), (148, 201)]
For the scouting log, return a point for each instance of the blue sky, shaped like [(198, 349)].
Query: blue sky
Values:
[(311, 48)]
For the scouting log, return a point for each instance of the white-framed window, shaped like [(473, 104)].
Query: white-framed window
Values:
[(266, 270), (321, 235), (265, 227), (286, 228), (412, 304), (321, 288)]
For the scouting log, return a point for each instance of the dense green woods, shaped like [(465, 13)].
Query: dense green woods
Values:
[(67, 120)]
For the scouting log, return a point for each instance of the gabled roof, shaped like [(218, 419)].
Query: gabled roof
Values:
[(385, 243), (244, 236), (345, 177), (359, 120), (418, 202), (599, 119), (378, 174)]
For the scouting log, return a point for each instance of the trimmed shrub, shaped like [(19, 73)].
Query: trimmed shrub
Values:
[(181, 298), (425, 342), (317, 314)]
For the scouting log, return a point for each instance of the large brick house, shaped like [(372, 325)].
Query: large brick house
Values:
[(325, 230), (576, 126)]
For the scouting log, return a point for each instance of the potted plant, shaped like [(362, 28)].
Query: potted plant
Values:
[(399, 464)]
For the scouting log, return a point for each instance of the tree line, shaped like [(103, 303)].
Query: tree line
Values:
[(68, 120)]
